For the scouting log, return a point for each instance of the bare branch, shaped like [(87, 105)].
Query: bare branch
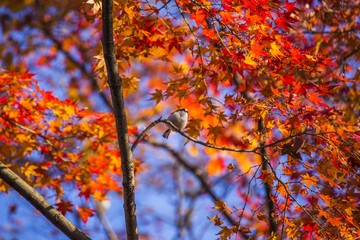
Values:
[(209, 145), (198, 173), (89, 75), (41, 204), (167, 122), (104, 220), (283, 224), (46, 139), (142, 135)]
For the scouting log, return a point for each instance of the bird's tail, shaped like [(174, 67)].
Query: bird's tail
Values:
[(166, 133)]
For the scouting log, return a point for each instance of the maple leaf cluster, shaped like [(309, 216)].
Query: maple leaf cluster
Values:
[(239, 66), (273, 85), (54, 143)]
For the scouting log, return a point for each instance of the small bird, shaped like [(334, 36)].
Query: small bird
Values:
[(179, 118)]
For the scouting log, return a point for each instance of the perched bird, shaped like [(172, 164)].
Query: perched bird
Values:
[(179, 118)]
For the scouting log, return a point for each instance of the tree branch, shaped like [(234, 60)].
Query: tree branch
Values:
[(269, 202), (167, 122), (40, 203), (284, 216), (91, 77), (58, 43), (291, 196), (209, 145), (115, 83), (47, 140), (100, 210), (142, 135), (198, 173)]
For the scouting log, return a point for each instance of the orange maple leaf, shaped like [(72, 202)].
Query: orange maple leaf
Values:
[(309, 180), (199, 17), (85, 213), (215, 166)]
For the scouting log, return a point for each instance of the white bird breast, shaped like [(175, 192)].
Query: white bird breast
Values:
[(179, 119)]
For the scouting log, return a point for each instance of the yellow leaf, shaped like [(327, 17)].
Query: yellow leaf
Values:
[(244, 160), (12, 114), (272, 236), (216, 220), (215, 166), (21, 137), (269, 123), (350, 210), (69, 110), (351, 128), (96, 5), (292, 232), (225, 232), (129, 84), (158, 52), (261, 217), (309, 180), (282, 128), (27, 103), (3, 188), (318, 43), (130, 12), (30, 170), (310, 57), (230, 167), (221, 207), (281, 189), (193, 151), (249, 60), (275, 50)]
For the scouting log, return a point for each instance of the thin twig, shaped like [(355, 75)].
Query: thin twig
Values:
[(248, 193), (282, 228), (89, 75), (293, 198), (206, 144), (198, 173), (47, 139), (167, 122), (141, 136), (100, 210)]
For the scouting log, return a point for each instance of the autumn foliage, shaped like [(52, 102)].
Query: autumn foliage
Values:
[(272, 90)]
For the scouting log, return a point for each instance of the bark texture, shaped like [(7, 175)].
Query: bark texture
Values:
[(117, 97)]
